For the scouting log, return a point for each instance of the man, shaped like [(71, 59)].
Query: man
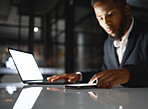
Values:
[(125, 50)]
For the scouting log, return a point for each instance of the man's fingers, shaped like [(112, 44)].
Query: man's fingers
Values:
[(115, 81), (105, 80), (74, 78), (54, 78), (95, 77), (65, 77), (109, 78), (49, 78), (111, 83)]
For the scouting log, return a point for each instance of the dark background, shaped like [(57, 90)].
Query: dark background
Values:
[(68, 36)]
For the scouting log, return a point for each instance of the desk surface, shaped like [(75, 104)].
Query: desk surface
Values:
[(56, 97)]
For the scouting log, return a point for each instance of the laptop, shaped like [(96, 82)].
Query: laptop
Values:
[(27, 98), (28, 69)]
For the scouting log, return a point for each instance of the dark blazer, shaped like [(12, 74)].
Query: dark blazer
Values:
[(135, 57)]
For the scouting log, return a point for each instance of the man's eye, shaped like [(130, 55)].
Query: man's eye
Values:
[(100, 18), (110, 14)]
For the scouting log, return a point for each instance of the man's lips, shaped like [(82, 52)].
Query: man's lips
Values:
[(110, 30)]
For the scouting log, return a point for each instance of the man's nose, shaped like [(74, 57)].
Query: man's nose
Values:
[(107, 21)]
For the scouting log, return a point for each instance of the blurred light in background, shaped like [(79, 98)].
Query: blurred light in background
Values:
[(10, 64), (10, 89), (36, 29)]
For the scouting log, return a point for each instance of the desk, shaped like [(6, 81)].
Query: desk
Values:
[(56, 97)]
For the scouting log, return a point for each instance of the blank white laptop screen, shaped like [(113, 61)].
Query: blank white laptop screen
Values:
[(26, 65)]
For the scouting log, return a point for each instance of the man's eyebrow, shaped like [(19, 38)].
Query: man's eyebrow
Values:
[(106, 12), (109, 10)]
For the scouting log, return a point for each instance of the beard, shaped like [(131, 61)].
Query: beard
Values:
[(120, 33), (118, 36)]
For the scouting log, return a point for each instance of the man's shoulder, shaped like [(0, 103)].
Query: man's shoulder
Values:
[(139, 30), (143, 25), (108, 41)]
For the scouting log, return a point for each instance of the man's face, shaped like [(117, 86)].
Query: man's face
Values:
[(111, 17)]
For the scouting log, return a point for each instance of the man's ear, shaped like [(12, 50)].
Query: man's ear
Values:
[(127, 9)]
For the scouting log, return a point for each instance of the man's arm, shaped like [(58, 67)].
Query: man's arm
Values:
[(139, 76)]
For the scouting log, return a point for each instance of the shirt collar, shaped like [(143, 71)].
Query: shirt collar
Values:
[(118, 43)]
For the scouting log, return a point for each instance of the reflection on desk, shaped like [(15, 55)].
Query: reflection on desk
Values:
[(56, 97), (27, 98)]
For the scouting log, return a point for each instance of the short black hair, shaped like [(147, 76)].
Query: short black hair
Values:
[(120, 1)]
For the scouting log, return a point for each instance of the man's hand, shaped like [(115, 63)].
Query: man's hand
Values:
[(109, 78), (67, 77)]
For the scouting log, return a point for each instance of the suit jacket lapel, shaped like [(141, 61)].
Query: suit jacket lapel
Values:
[(131, 43)]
